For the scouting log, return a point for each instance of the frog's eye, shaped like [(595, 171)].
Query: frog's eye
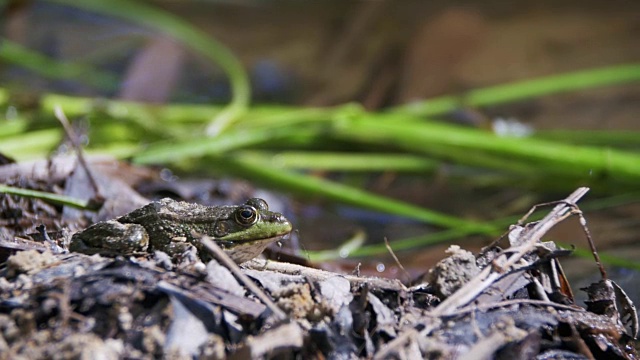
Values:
[(247, 215), (258, 203)]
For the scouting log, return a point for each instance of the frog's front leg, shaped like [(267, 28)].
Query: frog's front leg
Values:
[(179, 248), (110, 237)]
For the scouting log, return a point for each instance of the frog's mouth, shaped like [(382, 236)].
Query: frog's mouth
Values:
[(259, 232), (228, 244)]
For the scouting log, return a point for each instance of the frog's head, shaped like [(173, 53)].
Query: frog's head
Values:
[(249, 228)]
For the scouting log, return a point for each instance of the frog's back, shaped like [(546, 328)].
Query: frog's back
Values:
[(168, 220)]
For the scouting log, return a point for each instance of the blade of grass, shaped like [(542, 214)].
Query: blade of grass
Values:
[(339, 161), (167, 23), (15, 127), (201, 146), (582, 161), (30, 145), (121, 150), (4, 96), (309, 186), (18, 55), (500, 225), (617, 138), (606, 258), (397, 245), (179, 114), (49, 197), (342, 251), (521, 90), (167, 121)]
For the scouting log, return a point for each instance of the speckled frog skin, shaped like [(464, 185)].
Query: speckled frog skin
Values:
[(242, 231)]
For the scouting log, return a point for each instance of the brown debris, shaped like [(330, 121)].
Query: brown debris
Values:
[(501, 304), (28, 261), (453, 271)]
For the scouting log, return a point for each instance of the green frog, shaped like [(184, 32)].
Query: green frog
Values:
[(243, 231)]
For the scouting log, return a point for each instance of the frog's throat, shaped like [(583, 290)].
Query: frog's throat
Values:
[(260, 232)]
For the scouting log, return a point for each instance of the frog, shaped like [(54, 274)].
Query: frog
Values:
[(175, 227)]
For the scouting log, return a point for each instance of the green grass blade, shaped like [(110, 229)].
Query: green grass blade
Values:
[(201, 146), (141, 13), (31, 145), (310, 186), (527, 89), (339, 161), (11, 128), (18, 55), (49, 197), (617, 138), (500, 225), (570, 160)]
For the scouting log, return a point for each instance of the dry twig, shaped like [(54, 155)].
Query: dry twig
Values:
[(504, 263), (98, 198)]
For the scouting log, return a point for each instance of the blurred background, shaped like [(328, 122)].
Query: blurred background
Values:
[(400, 102)]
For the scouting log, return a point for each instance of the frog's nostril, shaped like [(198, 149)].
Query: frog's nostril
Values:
[(282, 219), (276, 217)]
